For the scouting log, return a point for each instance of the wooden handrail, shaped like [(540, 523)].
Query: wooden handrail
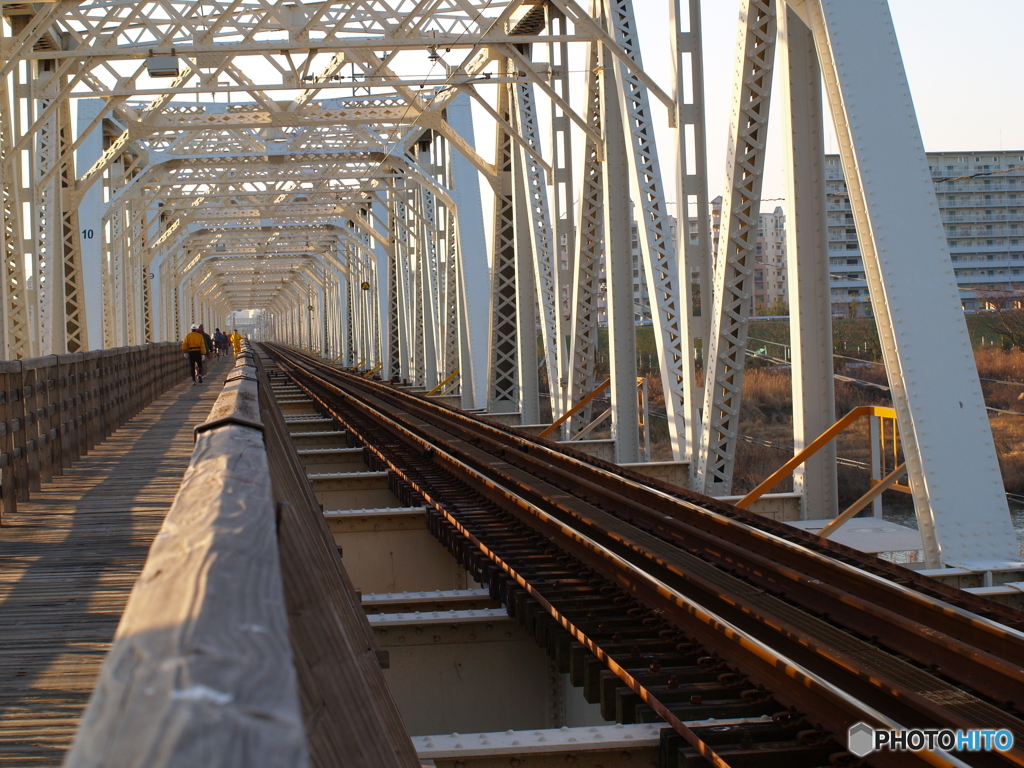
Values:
[(576, 408), (55, 409), (212, 582), (816, 445)]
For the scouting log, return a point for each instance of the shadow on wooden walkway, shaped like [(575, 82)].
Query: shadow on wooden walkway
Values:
[(68, 561)]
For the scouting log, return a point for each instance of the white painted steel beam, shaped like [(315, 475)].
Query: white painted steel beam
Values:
[(733, 284), (947, 442), (808, 265)]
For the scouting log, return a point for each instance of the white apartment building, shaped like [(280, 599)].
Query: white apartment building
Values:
[(983, 215), (770, 283), (641, 297)]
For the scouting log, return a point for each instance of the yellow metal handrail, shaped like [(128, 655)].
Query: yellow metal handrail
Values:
[(887, 482), (444, 383), (778, 475), (576, 408), (373, 370)]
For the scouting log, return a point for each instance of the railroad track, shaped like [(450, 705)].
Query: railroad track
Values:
[(667, 605)]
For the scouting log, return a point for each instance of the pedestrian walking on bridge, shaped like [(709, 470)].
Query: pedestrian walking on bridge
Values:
[(194, 347), (236, 342)]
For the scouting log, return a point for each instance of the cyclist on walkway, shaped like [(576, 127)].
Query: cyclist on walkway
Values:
[(194, 347)]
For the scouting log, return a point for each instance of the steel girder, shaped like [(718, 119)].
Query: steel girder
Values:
[(733, 285)]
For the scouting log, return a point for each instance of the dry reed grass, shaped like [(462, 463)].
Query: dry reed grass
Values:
[(767, 415)]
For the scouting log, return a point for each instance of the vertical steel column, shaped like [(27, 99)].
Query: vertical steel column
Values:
[(618, 271), (18, 341), (429, 315), (691, 194), (807, 253), (113, 294), (90, 210), (526, 294), (72, 290), (947, 442), (447, 269), (472, 265), (536, 236), (393, 350), (586, 288), (46, 214), (736, 249), (503, 371), (653, 227), (563, 241)]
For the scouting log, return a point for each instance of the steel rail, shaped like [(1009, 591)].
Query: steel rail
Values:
[(593, 534), (806, 567), (774, 664), (978, 646)]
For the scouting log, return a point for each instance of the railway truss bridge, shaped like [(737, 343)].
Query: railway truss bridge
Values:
[(417, 503)]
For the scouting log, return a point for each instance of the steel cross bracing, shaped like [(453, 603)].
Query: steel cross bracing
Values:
[(586, 288), (317, 165), (733, 285)]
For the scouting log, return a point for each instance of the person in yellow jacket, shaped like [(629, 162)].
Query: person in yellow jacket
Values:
[(236, 342), (194, 347)]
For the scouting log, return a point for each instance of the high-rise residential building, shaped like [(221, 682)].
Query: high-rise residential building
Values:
[(981, 201), (641, 296), (771, 289)]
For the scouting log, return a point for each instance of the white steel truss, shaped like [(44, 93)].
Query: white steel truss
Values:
[(317, 165), (733, 285)]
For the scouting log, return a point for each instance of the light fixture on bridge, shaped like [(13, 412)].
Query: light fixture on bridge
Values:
[(162, 66)]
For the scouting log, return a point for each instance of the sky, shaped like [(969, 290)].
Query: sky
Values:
[(963, 64)]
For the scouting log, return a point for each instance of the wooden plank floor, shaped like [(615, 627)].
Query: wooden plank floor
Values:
[(69, 559)]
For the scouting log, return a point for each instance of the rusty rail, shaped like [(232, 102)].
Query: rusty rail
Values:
[(528, 478)]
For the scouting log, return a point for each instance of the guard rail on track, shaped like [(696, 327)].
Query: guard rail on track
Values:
[(55, 409)]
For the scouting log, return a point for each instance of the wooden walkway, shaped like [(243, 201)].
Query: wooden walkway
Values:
[(69, 559)]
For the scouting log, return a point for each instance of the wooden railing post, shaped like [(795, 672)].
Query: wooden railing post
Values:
[(54, 417), (91, 366), (80, 440), (17, 425), (29, 429), (8, 476)]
